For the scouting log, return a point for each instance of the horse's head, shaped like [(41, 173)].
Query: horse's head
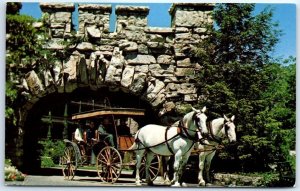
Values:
[(200, 119), (229, 128)]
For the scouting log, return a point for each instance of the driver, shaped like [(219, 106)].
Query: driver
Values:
[(103, 133)]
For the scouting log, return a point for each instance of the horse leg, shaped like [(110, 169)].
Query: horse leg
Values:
[(165, 167), (177, 161), (149, 157), (181, 168), (139, 156), (207, 165), (202, 156)]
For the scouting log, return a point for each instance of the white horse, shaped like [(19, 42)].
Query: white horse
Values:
[(167, 141), (218, 129)]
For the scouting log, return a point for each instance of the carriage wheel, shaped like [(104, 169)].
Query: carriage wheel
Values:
[(69, 163), (153, 169), (109, 164)]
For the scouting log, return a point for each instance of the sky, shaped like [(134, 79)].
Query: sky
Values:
[(159, 16)]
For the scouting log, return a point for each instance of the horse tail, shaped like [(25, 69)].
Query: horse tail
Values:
[(135, 145)]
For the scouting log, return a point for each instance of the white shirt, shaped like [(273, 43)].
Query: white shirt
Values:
[(78, 135)]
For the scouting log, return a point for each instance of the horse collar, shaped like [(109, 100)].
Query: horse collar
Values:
[(185, 134)]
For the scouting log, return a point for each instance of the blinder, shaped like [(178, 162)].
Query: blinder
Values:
[(226, 127), (197, 120)]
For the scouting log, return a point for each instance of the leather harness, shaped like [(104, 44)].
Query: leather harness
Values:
[(166, 137), (182, 131)]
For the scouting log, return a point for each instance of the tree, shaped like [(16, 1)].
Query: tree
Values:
[(233, 56), (13, 8), (240, 78), (279, 115), (24, 51), (20, 45)]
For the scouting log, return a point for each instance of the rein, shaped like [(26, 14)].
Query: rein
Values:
[(183, 131), (211, 135), (179, 133), (166, 141), (218, 147)]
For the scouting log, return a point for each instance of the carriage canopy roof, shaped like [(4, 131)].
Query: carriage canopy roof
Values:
[(109, 111)]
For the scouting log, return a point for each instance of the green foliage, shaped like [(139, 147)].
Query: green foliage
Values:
[(270, 179), (51, 152), (47, 162), (21, 42), (184, 108), (11, 95), (242, 36), (241, 79), (11, 173), (7, 162), (233, 55), (13, 7), (25, 52), (258, 149)]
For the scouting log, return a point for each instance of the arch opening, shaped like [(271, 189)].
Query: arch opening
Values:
[(36, 128)]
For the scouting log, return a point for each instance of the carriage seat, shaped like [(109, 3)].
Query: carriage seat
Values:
[(125, 142)]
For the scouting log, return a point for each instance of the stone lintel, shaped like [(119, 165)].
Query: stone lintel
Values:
[(128, 10), (159, 30), (191, 7), (55, 7), (95, 7)]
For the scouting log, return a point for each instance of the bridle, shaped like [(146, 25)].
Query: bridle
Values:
[(226, 128), (183, 131), (215, 138)]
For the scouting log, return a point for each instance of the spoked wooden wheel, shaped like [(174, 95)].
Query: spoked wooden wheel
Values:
[(69, 163), (109, 164), (153, 169)]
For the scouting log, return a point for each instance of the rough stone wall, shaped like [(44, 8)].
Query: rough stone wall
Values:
[(152, 63)]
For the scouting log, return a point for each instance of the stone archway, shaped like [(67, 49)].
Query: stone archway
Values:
[(151, 64)]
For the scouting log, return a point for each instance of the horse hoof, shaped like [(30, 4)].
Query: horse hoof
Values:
[(138, 184), (176, 184), (184, 184), (202, 183), (167, 182)]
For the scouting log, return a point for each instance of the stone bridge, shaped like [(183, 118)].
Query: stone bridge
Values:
[(151, 63)]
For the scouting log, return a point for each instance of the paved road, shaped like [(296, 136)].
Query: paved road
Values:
[(53, 177), (38, 180)]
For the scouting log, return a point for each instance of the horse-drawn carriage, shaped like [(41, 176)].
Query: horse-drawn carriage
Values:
[(110, 161), (150, 143)]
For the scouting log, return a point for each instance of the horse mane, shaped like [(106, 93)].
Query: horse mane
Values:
[(219, 120)]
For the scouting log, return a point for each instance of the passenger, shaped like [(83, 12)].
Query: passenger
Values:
[(79, 132), (123, 129), (103, 133), (92, 138)]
